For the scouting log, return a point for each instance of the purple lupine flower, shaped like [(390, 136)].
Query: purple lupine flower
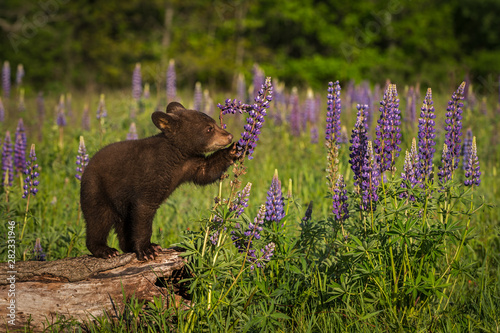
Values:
[(218, 222), (147, 93), (19, 74), (137, 82), (198, 96), (426, 136), (2, 111), (171, 81), (308, 214), (6, 79), (241, 88), (295, 113), (40, 105), (472, 172), (132, 132), (267, 253), (82, 159), (388, 133), (453, 126), (21, 106), (38, 254), (340, 206), (241, 202), (446, 167), (466, 147), (7, 162), (86, 118), (334, 107), (61, 116), (358, 142), (31, 182), (20, 147), (369, 181), (410, 172), (246, 144), (274, 203), (411, 109), (243, 241), (101, 108)]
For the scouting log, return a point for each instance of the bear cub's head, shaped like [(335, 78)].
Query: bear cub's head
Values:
[(190, 130)]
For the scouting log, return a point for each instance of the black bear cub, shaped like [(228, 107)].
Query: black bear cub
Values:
[(124, 183)]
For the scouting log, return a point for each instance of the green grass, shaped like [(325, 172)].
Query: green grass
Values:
[(295, 291)]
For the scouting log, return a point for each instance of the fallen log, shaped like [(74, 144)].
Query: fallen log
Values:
[(84, 287)]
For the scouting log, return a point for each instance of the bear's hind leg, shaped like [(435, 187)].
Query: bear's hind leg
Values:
[(142, 230), (99, 224)]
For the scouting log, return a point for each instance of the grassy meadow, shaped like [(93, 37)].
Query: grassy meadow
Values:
[(443, 275)]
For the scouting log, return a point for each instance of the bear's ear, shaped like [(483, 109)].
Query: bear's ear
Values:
[(174, 106), (164, 121)]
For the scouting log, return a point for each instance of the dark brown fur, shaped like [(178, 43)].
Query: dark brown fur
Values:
[(124, 183)]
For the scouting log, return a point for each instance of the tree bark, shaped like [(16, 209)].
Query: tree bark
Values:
[(85, 287)]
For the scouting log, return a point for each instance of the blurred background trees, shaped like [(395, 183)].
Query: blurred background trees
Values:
[(80, 43)]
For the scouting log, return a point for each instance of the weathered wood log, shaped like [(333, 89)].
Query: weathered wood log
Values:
[(83, 287)]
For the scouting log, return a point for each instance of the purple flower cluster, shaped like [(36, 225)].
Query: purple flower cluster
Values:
[(6, 79), (61, 117), (101, 108), (340, 205), (411, 108), (453, 126), (137, 82), (82, 159), (198, 97), (472, 172), (446, 167), (246, 144), (38, 254), (334, 106), (232, 107), (20, 147), (171, 81), (132, 132), (31, 182), (274, 204), (2, 111), (369, 180), (410, 174), (243, 241), (358, 143), (241, 202), (426, 136), (7, 163), (388, 133), (19, 74)]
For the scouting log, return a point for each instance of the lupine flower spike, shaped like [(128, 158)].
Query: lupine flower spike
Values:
[(410, 172), (7, 161), (426, 136), (340, 205), (241, 201), (274, 204), (369, 181), (31, 182), (332, 133), (20, 147), (38, 254), (2, 111), (132, 132), (101, 108), (453, 129), (388, 135), (6, 79), (472, 173), (358, 143), (137, 82), (82, 159), (466, 148), (171, 81)]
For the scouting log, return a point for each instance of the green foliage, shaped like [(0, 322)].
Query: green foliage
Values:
[(78, 43)]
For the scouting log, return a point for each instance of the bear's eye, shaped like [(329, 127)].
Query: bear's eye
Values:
[(210, 129)]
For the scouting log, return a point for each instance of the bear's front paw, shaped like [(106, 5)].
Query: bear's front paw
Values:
[(149, 252), (233, 151)]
